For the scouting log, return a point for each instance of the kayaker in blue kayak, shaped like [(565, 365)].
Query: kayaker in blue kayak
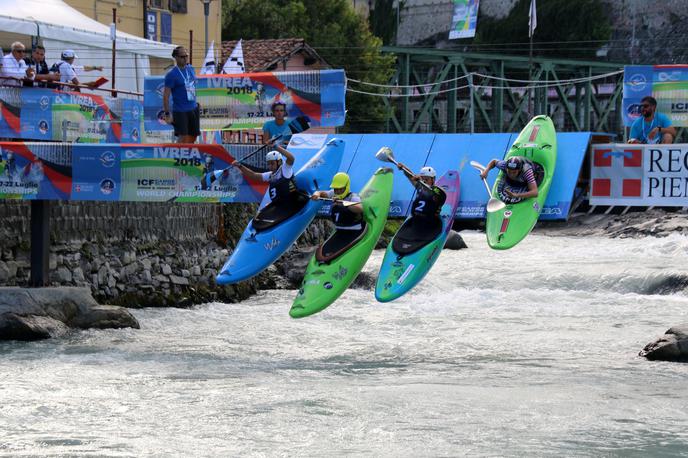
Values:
[(429, 199), (521, 178), (285, 197), (346, 213), (425, 222)]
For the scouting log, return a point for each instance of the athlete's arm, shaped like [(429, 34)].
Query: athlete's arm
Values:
[(286, 154)]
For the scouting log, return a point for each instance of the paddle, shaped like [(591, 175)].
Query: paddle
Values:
[(299, 124), (385, 154), (493, 204), (346, 203)]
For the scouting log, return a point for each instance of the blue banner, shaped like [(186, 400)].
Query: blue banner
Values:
[(668, 84), (51, 115), (243, 101)]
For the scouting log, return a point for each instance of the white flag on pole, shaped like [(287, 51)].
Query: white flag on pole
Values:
[(235, 63), (532, 18), (209, 63)]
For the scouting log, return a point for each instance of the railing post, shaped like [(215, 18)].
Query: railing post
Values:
[(40, 243)]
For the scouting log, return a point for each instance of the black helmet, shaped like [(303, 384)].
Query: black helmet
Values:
[(514, 163)]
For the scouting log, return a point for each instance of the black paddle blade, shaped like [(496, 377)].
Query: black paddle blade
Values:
[(298, 125)]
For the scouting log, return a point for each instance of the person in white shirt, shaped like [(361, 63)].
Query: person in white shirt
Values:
[(14, 69)]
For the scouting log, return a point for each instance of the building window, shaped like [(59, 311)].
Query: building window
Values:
[(178, 6), (158, 4)]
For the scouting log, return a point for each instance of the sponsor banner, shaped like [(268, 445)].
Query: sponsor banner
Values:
[(35, 171), (465, 19), (128, 172), (666, 83), (50, 115), (243, 101), (639, 175)]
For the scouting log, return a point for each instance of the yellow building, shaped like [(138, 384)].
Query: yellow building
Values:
[(170, 21)]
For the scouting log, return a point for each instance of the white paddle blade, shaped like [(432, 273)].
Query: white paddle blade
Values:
[(494, 205), (385, 154), (477, 165)]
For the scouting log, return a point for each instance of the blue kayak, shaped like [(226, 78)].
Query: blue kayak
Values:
[(257, 250), (414, 250)]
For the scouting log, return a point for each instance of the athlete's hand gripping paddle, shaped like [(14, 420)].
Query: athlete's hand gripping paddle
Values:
[(346, 203), (493, 204), (385, 154)]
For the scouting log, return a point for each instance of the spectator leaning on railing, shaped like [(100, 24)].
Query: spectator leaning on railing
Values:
[(40, 66), (67, 72), (14, 69)]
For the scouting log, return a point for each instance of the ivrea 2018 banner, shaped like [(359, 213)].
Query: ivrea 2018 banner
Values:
[(243, 101), (666, 83), (51, 115), (126, 172)]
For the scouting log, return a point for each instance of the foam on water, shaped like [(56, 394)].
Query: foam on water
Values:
[(528, 352)]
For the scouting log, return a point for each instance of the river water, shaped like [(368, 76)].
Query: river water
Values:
[(527, 352)]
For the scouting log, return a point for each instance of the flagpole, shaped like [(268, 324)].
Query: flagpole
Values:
[(532, 24)]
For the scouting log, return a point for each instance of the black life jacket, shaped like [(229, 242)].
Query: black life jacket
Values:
[(344, 218), (428, 202), (281, 188)]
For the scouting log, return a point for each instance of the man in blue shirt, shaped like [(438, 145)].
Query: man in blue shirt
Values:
[(652, 126), (180, 82), (279, 126)]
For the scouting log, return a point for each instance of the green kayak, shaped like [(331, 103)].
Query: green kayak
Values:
[(327, 277), (508, 226)]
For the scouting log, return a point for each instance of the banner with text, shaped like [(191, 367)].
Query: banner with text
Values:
[(639, 175), (51, 115), (666, 83), (130, 172), (464, 19), (243, 101)]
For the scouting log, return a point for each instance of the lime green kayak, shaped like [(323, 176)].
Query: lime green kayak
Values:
[(325, 281), (508, 226)]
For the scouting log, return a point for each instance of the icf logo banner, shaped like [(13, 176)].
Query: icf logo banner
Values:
[(668, 84)]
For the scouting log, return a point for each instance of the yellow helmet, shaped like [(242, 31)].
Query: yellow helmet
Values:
[(341, 181)]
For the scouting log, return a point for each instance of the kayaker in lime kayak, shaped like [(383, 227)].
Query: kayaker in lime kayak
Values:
[(521, 178), (348, 218), (285, 198)]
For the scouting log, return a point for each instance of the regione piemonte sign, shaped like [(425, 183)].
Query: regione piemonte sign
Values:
[(639, 175)]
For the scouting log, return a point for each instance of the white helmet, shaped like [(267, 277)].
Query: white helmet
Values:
[(273, 156), (427, 172)]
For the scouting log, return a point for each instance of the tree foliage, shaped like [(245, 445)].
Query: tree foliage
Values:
[(337, 33), (565, 28)]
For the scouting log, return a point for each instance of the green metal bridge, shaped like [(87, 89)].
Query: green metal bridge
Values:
[(449, 91)]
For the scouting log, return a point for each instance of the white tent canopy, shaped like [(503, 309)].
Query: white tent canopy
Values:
[(60, 26)]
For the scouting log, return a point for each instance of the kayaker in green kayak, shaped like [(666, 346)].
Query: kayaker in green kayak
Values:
[(520, 180), (348, 218), (285, 198), (429, 198)]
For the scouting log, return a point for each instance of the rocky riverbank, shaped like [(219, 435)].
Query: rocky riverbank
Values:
[(650, 223)]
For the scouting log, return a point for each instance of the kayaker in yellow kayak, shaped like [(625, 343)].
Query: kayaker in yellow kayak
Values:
[(521, 178), (347, 217)]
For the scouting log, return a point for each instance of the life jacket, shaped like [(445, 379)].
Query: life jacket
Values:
[(344, 218), (281, 188), (428, 202)]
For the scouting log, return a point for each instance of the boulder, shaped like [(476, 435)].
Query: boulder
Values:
[(39, 313), (672, 346), (454, 241)]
